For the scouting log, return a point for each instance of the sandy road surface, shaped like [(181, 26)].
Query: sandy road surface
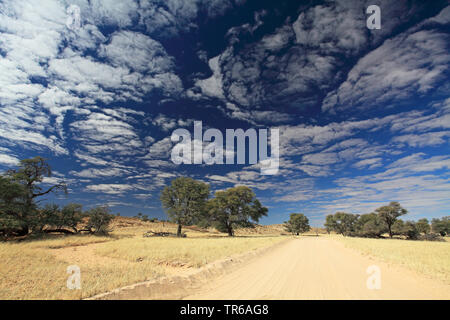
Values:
[(317, 268)]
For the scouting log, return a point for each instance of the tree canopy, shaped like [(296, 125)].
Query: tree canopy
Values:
[(441, 226), (20, 212), (184, 200), (370, 225), (390, 213), (20, 189), (235, 207), (298, 223), (385, 220), (342, 223)]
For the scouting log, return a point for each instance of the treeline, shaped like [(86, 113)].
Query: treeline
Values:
[(187, 202), (21, 215), (145, 218), (385, 220)]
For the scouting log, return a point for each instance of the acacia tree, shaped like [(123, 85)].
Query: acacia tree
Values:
[(30, 175), (12, 205), (406, 228), (46, 216), (390, 213), (99, 220), (342, 223), (329, 222), (185, 200), (423, 226), (298, 223), (370, 225), (235, 207), (441, 226)]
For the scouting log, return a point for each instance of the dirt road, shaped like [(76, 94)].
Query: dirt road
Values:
[(318, 268)]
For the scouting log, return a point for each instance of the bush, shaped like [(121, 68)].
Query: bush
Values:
[(441, 226), (423, 226), (342, 223), (398, 227), (99, 220), (52, 218), (70, 216), (370, 225), (432, 237), (410, 230), (298, 223)]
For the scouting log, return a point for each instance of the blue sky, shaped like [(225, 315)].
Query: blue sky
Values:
[(363, 115)]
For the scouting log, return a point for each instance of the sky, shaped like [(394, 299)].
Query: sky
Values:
[(363, 114)]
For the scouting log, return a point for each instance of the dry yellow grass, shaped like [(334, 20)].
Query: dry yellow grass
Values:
[(425, 257), (181, 252), (37, 269)]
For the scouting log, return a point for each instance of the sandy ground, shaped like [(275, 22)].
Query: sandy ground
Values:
[(317, 268)]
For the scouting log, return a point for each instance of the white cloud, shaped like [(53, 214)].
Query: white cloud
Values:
[(120, 13), (212, 87), (161, 148), (298, 60), (321, 158), (371, 163), (425, 139), (99, 133), (148, 54), (168, 18), (8, 160), (315, 171), (109, 188), (256, 117), (99, 173), (405, 65), (334, 28), (45, 72), (166, 123)]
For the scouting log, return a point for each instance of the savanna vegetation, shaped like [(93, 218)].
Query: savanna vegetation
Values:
[(187, 202), (110, 250), (385, 220), (298, 223), (363, 233), (423, 257), (20, 212), (36, 268)]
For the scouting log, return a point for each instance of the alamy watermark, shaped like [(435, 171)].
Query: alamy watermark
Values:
[(208, 147), (73, 21), (374, 280), (374, 20), (74, 280)]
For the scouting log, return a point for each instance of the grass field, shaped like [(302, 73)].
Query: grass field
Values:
[(425, 257), (37, 269)]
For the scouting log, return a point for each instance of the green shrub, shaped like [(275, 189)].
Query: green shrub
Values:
[(432, 237), (99, 220)]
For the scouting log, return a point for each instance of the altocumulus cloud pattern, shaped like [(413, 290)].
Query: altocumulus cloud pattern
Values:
[(363, 115)]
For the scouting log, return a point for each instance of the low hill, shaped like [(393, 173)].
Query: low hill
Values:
[(164, 226)]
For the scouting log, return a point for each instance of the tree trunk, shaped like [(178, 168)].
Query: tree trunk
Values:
[(390, 231), (230, 231), (59, 231), (179, 230)]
